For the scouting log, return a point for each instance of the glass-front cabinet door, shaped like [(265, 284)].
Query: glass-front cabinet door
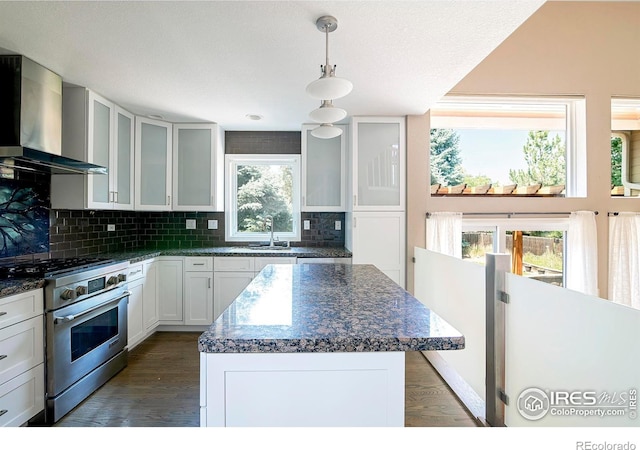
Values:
[(197, 151), (323, 171), (123, 161), (153, 165), (378, 163), (99, 149)]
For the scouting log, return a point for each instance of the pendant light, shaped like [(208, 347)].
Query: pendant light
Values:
[(326, 131), (328, 86), (327, 113)]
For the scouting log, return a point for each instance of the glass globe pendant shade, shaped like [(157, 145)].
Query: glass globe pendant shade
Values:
[(329, 87), (327, 113), (326, 131)]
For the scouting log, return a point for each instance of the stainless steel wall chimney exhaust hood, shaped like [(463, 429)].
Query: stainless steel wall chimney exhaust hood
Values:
[(31, 119)]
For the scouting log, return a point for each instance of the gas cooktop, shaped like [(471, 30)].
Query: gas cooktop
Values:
[(48, 267)]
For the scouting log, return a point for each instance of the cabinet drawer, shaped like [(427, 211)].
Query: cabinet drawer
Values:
[(19, 307), (21, 347), (261, 262), (22, 397), (233, 264), (198, 264), (136, 272)]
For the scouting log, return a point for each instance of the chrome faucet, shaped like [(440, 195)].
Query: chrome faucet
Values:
[(270, 218)]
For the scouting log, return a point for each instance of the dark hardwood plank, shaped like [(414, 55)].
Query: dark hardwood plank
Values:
[(160, 388)]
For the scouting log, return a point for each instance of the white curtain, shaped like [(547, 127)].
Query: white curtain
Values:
[(582, 253), (624, 259), (444, 233)]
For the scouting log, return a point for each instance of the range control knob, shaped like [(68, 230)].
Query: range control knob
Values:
[(81, 290), (122, 277), (112, 280), (68, 294)]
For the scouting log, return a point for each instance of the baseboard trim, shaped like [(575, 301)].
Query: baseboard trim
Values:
[(469, 398)]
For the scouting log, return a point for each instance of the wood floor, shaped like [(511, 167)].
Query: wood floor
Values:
[(160, 388)]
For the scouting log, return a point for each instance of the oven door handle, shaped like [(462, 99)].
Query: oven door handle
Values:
[(71, 317)]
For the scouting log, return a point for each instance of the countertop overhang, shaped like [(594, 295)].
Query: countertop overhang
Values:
[(327, 308)]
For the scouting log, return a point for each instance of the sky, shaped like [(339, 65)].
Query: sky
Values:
[(503, 151)]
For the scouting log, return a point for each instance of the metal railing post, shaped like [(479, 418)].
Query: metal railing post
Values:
[(497, 265)]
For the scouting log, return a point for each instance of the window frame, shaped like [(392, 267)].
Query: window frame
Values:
[(232, 161), (625, 117), (575, 129)]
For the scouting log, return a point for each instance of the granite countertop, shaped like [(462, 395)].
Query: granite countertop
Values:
[(16, 286), (326, 308), (12, 287), (134, 256)]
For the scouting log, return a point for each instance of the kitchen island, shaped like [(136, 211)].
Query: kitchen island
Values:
[(315, 345)]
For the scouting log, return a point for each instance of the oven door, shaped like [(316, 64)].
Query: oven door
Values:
[(83, 336)]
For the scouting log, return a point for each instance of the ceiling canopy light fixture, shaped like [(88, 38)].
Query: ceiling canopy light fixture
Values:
[(328, 86), (326, 131)]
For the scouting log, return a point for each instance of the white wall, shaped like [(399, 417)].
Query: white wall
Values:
[(565, 48)]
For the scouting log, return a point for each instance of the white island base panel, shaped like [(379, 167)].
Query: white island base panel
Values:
[(348, 389)]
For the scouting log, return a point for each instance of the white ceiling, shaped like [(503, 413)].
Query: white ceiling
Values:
[(218, 61)]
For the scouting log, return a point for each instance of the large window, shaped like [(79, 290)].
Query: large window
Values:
[(263, 193), (625, 147), (501, 146), (536, 246)]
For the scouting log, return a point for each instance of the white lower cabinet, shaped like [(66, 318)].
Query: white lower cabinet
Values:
[(234, 273), (198, 291), (378, 238), (262, 261), (135, 309), (170, 293), (21, 357), (150, 314), (226, 287), (191, 291)]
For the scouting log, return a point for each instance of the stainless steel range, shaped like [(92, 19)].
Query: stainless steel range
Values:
[(85, 327)]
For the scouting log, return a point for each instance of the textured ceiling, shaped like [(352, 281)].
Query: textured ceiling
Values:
[(219, 61)]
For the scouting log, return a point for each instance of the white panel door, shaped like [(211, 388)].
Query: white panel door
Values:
[(226, 287), (150, 296), (379, 239), (198, 298), (135, 317), (170, 294)]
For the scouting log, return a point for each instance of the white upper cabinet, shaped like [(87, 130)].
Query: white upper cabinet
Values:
[(378, 163), (323, 171), (97, 131), (153, 165), (123, 160), (198, 167)]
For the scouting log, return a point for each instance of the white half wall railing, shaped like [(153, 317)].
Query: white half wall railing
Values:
[(552, 357)]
